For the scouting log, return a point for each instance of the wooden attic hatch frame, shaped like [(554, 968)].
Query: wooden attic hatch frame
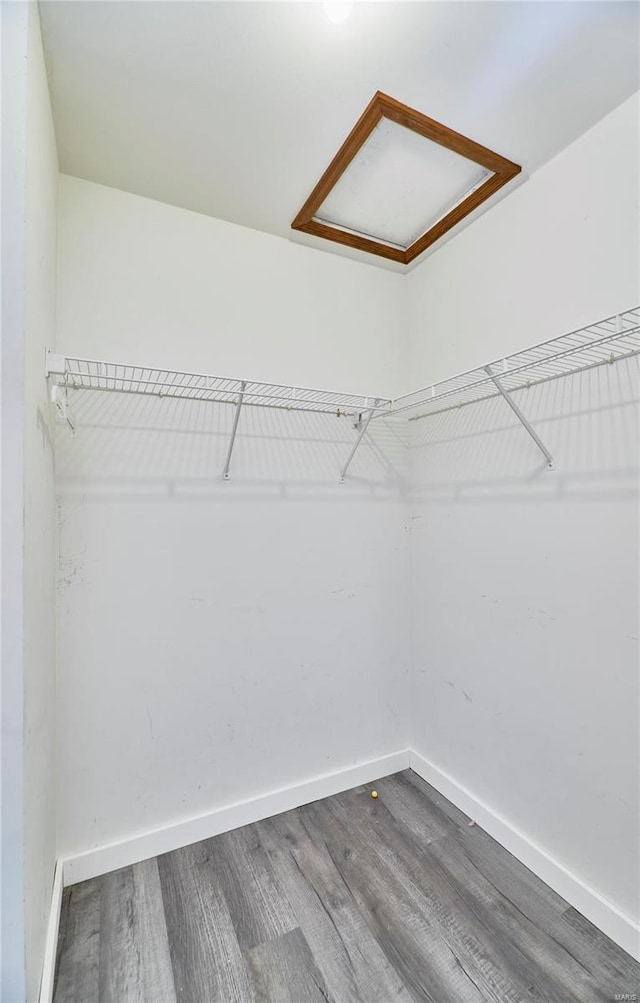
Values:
[(344, 202)]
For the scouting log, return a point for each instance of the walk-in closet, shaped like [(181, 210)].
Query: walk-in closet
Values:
[(320, 389)]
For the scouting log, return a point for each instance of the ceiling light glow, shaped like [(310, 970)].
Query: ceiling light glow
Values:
[(337, 12)]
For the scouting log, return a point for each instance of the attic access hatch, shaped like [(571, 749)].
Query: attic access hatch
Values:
[(399, 182)]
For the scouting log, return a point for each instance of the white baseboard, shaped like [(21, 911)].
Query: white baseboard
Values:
[(110, 857), (607, 917), (51, 942), (92, 863)]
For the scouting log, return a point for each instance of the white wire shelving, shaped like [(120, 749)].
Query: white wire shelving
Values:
[(73, 373), (89, 374), (606, 342)]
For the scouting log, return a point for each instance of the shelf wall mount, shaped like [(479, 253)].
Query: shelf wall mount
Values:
[(236, 418), (521, 418), (362, 425)]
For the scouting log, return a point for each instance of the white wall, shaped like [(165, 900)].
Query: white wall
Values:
[(557, 254), (13, 27), (151, 283), (29, 254), (220, 640), (40, 545), (525, 581)]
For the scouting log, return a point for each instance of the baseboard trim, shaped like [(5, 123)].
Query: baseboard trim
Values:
[(607, 917), (51, 941), (123, 853)]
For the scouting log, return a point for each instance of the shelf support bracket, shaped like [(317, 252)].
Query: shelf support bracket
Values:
[(62, 406), (54, 365), (226, 475), (521, 418), (363, 424)]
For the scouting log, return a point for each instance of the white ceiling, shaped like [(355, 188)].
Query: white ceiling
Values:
[(234, 109)]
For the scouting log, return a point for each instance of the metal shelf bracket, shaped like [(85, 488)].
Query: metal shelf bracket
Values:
[(519, 415), (59, 400), (226, 475), (54, 364), (362, 425)]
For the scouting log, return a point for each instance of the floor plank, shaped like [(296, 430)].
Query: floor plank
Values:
[(606, 962), (77, 978), (119, 967), (208, 965), (156, 973), (498, 977), (347, 900), (284, 972), (498, 946), (408, 935), (354, 966), (259, 910)]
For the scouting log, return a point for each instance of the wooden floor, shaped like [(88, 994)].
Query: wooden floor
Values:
[(348, 900)]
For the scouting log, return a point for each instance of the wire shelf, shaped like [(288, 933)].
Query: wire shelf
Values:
[(90, 374), (608, 341)]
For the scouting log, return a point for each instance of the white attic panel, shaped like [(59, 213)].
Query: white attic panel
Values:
[(398, 185)]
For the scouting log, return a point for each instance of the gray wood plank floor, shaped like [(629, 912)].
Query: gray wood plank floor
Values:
[(347, 900)]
